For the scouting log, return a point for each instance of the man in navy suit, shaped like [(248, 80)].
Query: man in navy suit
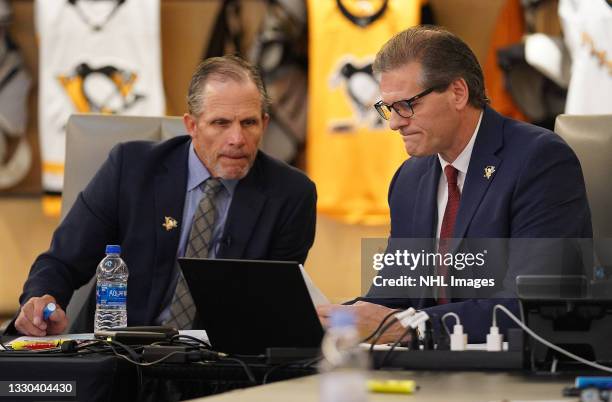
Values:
[(145, 195), (472, 174)]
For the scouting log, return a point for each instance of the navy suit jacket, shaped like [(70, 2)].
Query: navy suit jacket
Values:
[(272, 217), (536, 191)]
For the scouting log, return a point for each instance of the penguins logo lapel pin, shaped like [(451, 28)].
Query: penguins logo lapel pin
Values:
[(488, 172), (169, 223)]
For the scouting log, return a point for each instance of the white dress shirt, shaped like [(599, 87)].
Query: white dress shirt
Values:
[(461, 164)]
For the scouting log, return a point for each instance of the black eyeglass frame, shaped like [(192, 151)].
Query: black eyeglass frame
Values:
[(380, 105)]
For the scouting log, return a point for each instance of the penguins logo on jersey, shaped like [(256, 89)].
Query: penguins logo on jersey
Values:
[(107, 89), (361, 91)]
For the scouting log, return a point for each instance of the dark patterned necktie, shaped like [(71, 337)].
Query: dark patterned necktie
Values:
[(448, 226), (182, 309)]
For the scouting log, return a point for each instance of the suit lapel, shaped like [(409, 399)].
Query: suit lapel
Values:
[(247, 205), (488, 142), (425, 211), (169, 196)]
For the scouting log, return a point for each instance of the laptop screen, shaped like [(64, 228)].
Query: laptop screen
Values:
[(246, 306)]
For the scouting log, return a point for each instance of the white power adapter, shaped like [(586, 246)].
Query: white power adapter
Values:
[(495, 340), (458, 340), (414, 320), (403, 315)]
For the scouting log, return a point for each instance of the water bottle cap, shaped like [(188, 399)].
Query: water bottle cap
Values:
[(113, 249), (342, 318)]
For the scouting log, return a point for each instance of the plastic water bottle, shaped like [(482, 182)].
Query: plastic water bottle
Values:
[(344, 363), (111, 291)]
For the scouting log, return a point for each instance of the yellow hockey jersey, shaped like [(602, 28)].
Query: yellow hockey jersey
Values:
[(351, 153)]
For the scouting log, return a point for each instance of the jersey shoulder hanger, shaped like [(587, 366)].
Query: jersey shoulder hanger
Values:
[(362, 12), (88, 18)]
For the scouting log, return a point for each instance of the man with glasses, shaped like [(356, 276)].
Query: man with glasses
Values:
[(472, 173)]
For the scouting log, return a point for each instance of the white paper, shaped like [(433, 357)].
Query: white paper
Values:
[(199, 334), (196, 333), (63, 337), (318, 298)]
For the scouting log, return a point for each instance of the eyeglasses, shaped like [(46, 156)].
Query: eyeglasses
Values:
[(402, 107)]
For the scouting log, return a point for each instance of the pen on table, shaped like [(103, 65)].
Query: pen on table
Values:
[(35, 345), (590, 381), (48, 310)]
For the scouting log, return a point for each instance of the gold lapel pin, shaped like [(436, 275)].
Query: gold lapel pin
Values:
[(170, 223), (488, 172)]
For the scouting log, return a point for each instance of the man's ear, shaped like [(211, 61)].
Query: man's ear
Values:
[(460, 93), (265, 120), (190, 124)]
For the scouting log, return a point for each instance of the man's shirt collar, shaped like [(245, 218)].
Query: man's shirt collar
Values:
[(463, 160), (198, 173)]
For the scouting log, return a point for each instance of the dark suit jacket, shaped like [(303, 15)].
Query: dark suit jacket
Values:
[(272, 217), (537, 191)]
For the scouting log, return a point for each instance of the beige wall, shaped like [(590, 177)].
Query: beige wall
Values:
[(334, 262), (24, 233)]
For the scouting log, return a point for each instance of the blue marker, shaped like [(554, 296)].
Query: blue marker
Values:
[(49, 309), (597, 382)]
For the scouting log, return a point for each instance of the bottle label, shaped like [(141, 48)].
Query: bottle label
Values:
[(111, 295)]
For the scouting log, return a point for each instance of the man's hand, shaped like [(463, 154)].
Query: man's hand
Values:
[(368, 316), (30, 320)]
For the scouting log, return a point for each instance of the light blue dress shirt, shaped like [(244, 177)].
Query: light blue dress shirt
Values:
[(198, 174)]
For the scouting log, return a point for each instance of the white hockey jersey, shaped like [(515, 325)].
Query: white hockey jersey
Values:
[(95, 56)]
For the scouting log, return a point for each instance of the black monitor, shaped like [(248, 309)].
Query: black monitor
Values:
[(565, 311), (247, 306)]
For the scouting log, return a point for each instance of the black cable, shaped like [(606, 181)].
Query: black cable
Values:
[(381, 324), (140, 389), (88, 348), (246, 368), (239, 356), (395, 344), (306, 363), (380, 334), (273, 369), (135, 358), (312, 361), (133, 355)]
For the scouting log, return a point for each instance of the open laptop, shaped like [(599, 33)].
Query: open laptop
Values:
[(247, 306)]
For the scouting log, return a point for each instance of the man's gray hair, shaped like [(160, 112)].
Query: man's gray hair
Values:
[(443, 57), (224, 68)]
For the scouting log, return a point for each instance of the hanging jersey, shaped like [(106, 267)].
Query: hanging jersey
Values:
[(14, 89), (351, 153), (508, 30), (95, 57), (587, 28)]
